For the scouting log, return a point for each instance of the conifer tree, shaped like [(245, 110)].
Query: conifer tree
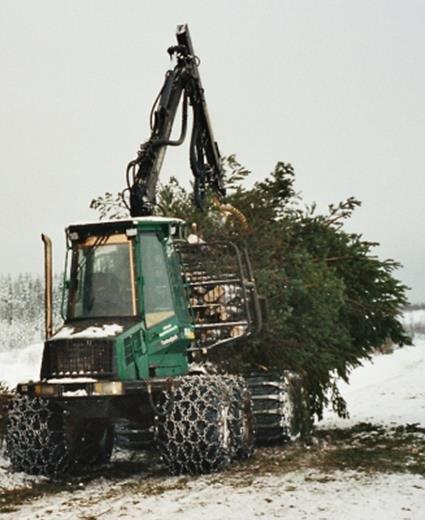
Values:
[(331, 300)]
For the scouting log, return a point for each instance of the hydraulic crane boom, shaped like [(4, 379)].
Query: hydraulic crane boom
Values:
[(181, 83)]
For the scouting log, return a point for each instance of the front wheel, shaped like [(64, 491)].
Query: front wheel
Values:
[(35, 439), (193, 432), (242, 418), (43, 439)]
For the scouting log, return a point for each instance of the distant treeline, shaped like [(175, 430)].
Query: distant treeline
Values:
[(415, 306), (22, 309)]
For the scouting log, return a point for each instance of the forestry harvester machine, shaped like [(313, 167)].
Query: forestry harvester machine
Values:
[(142, 306)]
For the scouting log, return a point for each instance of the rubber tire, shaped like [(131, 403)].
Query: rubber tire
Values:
[(192, 433)]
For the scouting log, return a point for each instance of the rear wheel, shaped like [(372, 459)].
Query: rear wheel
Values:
[(280, 406)]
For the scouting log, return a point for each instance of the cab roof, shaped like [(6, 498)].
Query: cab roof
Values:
[(121, 225)]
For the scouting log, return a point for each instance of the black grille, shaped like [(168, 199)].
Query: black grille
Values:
[(71, 358)]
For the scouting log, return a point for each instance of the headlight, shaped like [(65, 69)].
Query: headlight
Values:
[(47, 390), (108, 388)]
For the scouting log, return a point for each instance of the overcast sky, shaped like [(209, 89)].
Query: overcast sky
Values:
[(337, 88)]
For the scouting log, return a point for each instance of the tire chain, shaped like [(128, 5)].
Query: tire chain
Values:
[(35, 440), (131, 436), (196, 435), (242, 417), (40, 439)]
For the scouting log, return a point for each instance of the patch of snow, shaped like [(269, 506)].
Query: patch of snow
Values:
[(65, 380), (294, 496), (130, 220), (90, 332), (75, 393), (156, 219), (197, 368)]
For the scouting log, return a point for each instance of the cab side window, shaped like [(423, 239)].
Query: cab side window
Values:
[(157, 295)]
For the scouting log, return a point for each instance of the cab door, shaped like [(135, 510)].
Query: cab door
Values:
[(164, 334)]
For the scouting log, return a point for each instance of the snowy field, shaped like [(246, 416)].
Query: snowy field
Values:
[(390, 391), (414, 317)]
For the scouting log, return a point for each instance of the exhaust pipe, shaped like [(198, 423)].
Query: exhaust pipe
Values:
[(48, 287)]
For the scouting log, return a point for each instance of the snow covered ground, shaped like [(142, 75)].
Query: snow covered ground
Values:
[(297, 496), (389, 391)]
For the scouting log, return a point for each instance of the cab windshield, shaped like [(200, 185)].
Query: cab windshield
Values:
[(102, 278)]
